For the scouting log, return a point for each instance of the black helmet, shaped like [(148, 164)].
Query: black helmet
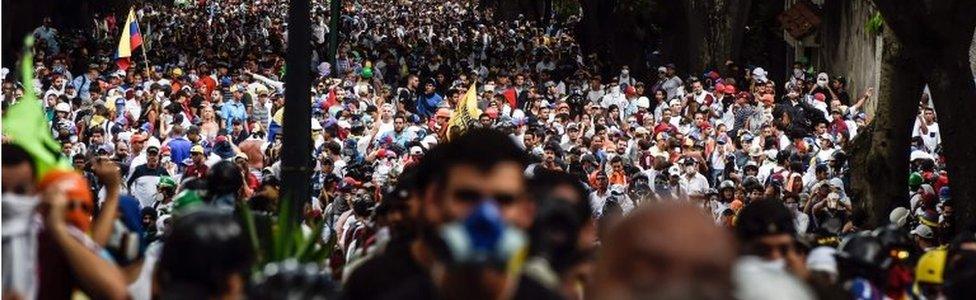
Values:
[(896, 241), (862, 251)]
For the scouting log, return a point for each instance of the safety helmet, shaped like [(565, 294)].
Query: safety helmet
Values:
[(166, 182), (863, 250), (931, 266), (914, 180)]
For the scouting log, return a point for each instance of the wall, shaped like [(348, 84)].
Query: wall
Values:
[(847, 49)]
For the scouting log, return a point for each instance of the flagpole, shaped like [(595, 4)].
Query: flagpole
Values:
[(145, 58), (144, 47)]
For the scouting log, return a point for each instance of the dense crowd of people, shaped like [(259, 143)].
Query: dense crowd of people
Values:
[(688, 184)]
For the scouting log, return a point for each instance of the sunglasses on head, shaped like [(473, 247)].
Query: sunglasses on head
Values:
[(473, 196)]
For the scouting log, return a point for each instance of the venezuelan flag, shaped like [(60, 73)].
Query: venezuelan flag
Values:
[(130, 40)]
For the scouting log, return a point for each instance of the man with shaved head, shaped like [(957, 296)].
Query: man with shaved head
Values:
[(665, 251)]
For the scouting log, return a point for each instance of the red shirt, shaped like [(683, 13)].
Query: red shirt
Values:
[(196, 170)]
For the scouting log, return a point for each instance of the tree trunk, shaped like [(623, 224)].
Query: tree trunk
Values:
[(716, 28), (937, 36), (954, 96), (879, 163)]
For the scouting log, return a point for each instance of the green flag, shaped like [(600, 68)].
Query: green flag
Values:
[(25, 124)]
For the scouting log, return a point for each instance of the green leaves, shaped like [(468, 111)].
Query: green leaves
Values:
[(875, 24), (281, 237)]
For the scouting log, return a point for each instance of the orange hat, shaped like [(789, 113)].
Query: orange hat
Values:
[(80, 199), (136, 137)]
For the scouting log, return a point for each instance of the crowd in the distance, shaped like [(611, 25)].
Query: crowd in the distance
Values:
[(707, 184)]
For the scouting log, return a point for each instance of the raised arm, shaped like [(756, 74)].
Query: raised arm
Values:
[(108, 173), (97, 276)]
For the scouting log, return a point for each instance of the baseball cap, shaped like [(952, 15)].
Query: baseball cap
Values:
[(196, 149), (416, 150), (153, 144), (62, 107), (241, 155), (923, 231), (822, 259)]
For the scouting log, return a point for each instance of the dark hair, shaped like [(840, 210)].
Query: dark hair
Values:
[(480, 148), (224, 178), (14, 155), (764, 217), (204, 248)]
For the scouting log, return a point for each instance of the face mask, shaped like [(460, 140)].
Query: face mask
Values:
[(17, 210), (778, 264), (158, 197)]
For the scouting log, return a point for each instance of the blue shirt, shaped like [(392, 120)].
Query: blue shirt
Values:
[(427, 104), (233, 110)]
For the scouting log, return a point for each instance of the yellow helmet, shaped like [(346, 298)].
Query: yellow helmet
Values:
[(931, 266)]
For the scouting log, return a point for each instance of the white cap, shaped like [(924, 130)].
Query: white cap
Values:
[(923, 230), (822, 259), (755, 150), (416, 150), (674, 170), (153, 143), (62, 107), (919, 154), (759, 74), (316, 125)]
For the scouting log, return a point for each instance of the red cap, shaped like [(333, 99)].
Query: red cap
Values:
[(219, 139), (730, 89), (719, 88), (631, 90), (137, 137), (492, 112), (819, 97)]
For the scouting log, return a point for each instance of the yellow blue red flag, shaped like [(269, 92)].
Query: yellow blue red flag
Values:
[(130, 40)]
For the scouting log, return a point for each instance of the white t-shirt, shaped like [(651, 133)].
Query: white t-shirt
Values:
[(696, 185), (932, 138)]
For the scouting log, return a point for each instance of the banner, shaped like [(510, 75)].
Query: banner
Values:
[(467, 111)]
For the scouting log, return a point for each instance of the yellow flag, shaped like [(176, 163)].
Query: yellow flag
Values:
[(467, 110)]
